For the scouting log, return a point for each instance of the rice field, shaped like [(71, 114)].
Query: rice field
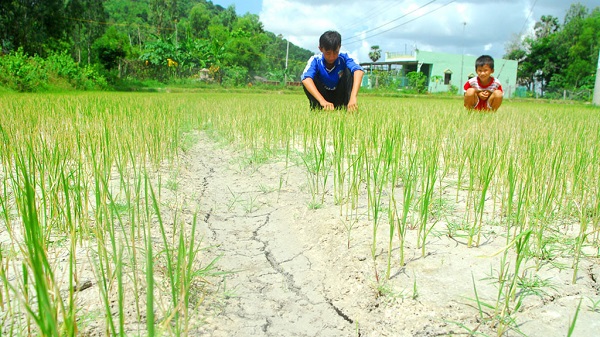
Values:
[(84, 179)]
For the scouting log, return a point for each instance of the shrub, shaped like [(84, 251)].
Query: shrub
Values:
[(235, 76), (22, 73)]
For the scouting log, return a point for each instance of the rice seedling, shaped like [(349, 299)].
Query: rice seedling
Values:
[(94, 170), (429, 171), (58, 174), (574, 320), (594, 305)]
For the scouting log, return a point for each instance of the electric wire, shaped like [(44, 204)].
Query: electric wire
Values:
[(521, 31), (376, 11), (358, 37)]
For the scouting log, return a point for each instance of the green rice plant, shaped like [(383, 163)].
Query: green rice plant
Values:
[(374, 206), (355, 164), (71, 160), (149, 283), (250, 205), (486, 173), (580, 240), (415, 291), (429, 170), (49, 302), (473, 151), (349, 224), (512, 288), (316, 159), (96, 156), (339, 169), (461, 165), (509, 193), (507, 302), (594, 305), (574, 321), (408, 176), (392, 211)]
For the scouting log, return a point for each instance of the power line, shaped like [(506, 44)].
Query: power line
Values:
[(527, 18), (357, 37), (375, 11), (404, 23), (520, 32)]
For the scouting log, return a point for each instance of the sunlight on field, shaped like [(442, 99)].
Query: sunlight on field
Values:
[(83, 177)]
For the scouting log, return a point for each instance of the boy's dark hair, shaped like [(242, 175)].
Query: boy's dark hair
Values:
[(484, 60), (330, 40)]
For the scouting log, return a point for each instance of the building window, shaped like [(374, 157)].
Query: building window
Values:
[(447, 78)]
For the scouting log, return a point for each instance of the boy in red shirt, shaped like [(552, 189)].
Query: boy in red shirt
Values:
[(483, 92)]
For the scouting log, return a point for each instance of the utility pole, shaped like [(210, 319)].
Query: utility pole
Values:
[(287, 53), (462, 61), (176, 45), (596, 100)]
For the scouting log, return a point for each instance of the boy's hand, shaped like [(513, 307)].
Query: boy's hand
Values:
[(484, 94), (327, 105), (352, 104)]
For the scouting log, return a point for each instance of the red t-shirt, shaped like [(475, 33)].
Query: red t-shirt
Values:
[(476, 84)]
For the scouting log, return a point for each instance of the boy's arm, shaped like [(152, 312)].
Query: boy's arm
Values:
[(353, 102), (310, 86)]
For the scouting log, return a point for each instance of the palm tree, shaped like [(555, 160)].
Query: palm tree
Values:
[(546, 26), (375, 53)]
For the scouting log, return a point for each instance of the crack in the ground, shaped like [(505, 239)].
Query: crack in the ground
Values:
[(207, 216), (274, 264), (205, 180), (295, 256), (593, 277), (342, 315), (265, 326), (289, 278)]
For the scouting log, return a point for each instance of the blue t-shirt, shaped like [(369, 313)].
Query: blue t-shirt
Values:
[(315, 68)]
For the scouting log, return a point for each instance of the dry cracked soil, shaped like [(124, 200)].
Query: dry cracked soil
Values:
[(296, 270)]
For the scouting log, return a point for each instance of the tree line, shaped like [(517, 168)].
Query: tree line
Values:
[(559, 57), (144, 40), (99, 43)]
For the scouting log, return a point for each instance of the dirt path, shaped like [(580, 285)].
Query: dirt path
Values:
[(275, 288), (294, 275)]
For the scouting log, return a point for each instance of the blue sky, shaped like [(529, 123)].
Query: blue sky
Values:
[(242, 6), (473, 27)]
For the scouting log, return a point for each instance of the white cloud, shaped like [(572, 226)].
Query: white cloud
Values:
[(438, 26)]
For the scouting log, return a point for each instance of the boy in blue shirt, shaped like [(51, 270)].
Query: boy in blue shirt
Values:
[(331, 79)]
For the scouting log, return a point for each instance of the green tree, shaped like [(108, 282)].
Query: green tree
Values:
[(163, 16), (199, 18), (131, 18), (87, 25), (546, 26), (417, 81), (226, 17), (375, 53), (559, 57), (581, 35), (516, 50), (111, 48), (36, 26)]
